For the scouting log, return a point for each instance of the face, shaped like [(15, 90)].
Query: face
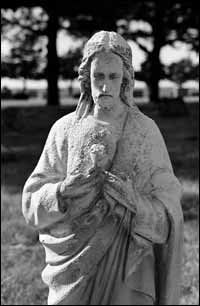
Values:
[(106, 75)]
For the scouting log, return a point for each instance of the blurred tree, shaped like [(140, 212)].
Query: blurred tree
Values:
[(24, 60), (166, 22), (27, 56), (32, 54), (182, 71), (159, 24), (6, 68), (69, 64)]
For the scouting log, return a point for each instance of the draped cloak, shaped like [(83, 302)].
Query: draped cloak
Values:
[(88, 247)]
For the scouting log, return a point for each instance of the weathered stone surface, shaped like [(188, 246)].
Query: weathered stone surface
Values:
[(103, 194)]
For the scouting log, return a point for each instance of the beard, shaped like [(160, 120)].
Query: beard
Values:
[(105, 103)]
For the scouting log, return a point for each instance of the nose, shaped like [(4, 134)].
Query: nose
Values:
[(106, 87)]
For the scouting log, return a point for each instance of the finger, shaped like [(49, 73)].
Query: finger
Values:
[(93, 176), (113, 184), (112, 177), (109, 174)]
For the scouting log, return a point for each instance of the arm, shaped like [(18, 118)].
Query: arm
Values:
[(153, 209), (155, 204), (158, 202), (40, 205)]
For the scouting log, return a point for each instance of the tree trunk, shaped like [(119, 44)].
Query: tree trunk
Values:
[(155, 77), (24, 85), (52, 58), (180, 90), (158, 34)]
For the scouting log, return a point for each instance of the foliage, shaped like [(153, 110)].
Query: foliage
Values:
[(166, 23), (182, 71), (69, 63), (25, 29)]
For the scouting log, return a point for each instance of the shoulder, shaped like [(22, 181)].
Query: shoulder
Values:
[(153, 149), (64, 122), (146, 125), (62, 125), (58, 133), (148, 135)]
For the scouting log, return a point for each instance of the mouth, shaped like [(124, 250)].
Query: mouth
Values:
[(104, 95)]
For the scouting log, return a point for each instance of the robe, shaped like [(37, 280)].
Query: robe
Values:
[(98, 256)]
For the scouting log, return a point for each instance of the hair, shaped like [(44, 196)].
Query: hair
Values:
[(86, 103)]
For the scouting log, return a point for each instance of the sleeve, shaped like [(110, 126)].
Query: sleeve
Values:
[(158, 203), (40, 205)]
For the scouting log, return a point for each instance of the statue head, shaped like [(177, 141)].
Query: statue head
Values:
[(105, 49)]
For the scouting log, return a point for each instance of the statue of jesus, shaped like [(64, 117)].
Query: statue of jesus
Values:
[(104, 196)]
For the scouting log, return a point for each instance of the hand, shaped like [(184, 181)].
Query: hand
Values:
[(79, 185), (120, 191)]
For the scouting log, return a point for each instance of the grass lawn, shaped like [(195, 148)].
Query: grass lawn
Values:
[(24, 132)]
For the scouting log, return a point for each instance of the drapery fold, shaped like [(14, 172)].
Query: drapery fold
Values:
[(87, 235)]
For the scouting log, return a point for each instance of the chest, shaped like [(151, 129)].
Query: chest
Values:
[(89, 136), (127, 150)]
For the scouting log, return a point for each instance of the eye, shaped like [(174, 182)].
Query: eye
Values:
[(98, 76), (114, 76)]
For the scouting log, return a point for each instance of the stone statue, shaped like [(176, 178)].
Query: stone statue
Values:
[(104, 196)]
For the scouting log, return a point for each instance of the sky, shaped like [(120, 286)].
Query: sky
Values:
[(168, 53)]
